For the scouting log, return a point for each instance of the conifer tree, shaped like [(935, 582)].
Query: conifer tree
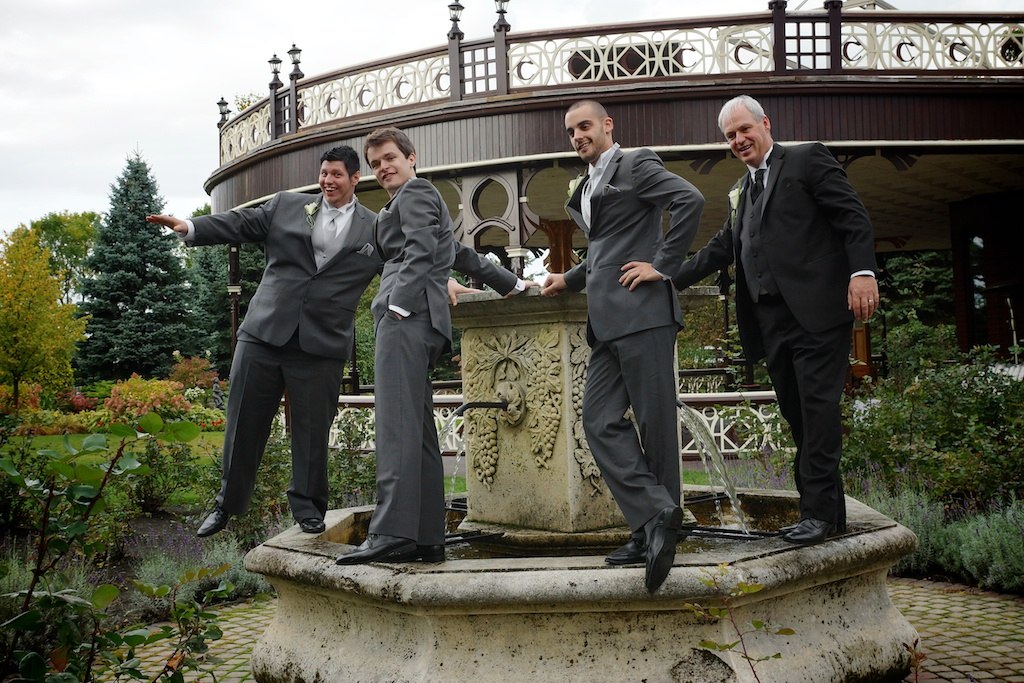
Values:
[(137, 298), (208, 272)]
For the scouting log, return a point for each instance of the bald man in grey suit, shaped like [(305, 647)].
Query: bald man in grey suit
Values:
[(632, 322)]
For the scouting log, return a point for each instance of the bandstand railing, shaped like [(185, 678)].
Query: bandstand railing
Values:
[(772, 43), (713, 408)]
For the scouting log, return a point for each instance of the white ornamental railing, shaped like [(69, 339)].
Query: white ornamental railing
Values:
[(714, 408), (770, 44)]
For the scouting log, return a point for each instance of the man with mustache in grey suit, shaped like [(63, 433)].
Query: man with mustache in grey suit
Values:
[(413, 324), (632, 321)]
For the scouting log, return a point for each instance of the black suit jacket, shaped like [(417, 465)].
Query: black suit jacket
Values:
[(815, 233)]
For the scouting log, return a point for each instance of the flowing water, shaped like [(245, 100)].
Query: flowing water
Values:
[(714, 461)]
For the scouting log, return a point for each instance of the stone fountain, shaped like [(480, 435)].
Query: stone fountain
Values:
[(533, 600)]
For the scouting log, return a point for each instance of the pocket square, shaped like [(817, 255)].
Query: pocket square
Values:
[(366, 250), (611, 189)]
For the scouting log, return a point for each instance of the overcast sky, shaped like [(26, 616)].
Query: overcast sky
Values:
[(84, 84)]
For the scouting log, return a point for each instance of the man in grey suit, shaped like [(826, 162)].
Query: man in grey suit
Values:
[(804, 252), (632, 322), (413, 324), (297, 331)]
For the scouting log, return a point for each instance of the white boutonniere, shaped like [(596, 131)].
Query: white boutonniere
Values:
[(734, 201), (311, 210), (574, 183)]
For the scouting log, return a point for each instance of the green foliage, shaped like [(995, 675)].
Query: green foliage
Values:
[(702, 341), (207, 419), (169, 467), (158, 567), (68, 238), (49, 422), (957, 431), (60, 633), (269, 503), (980, 547), (135, 397), (352, 473), (914, 348), (925, 517), (365, 337), (208, 275), (38, 333), (989, 547), (137, 296), (725, 611), (99, 389), (917, 286)]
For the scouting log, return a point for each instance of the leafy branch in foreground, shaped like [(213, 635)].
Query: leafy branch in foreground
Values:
[(59, 636), (726, 611)]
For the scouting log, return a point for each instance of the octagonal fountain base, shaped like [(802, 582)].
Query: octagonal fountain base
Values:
[(570, 617)]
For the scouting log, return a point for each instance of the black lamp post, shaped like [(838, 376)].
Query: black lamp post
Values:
[(501, 29), (293, 89), (222, 105), (455, 36), (275, 83), (502, 25)]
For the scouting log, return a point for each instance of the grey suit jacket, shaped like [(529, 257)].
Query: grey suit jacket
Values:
[(293, 293), (815, 232), (415, 239), (626, 215)]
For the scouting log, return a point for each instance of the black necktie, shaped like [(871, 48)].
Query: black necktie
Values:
[(758, 184)]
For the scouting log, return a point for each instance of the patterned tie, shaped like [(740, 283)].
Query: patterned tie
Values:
[(758, 184)]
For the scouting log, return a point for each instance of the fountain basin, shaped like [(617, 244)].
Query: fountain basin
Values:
[(574, 618)]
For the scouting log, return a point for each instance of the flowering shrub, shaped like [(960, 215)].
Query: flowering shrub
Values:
[(74, 401), (28, 396), (49, 422), (134, 397), (207, 419), (192, 372)]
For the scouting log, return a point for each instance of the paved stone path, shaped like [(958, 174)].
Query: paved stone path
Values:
[(967, 635)]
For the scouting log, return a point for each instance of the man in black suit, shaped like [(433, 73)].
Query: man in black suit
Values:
[(413, 322), (633, 318), (805, 262)]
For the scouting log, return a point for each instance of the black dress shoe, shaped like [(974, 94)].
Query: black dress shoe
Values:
[(381, 548), (312, 525), (631, 553), (840, 528), (810, 531), (661, 546), (429, 553), (214, 522)]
